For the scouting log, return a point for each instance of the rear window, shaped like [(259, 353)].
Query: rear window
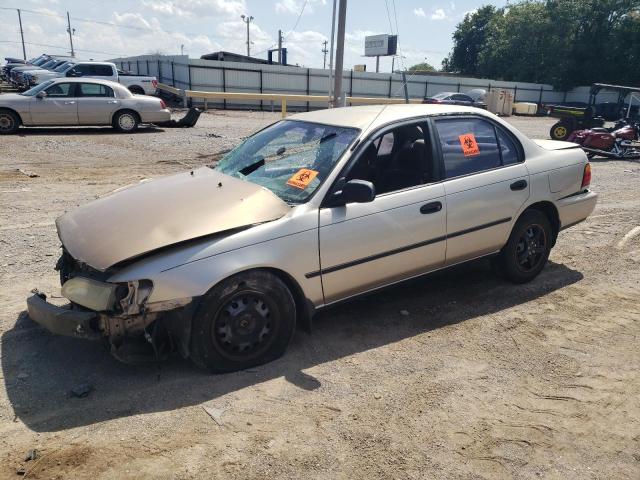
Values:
[(469, 145)]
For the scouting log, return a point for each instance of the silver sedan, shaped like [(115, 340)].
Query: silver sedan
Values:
[(79, 101), (221, 262)]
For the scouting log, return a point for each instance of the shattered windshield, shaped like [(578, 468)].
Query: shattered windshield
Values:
[(290, 158)]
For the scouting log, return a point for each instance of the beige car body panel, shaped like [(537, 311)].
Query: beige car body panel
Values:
[(331, 253), (71, 111)]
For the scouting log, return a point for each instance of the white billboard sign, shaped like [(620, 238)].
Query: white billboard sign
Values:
[(380, 45)]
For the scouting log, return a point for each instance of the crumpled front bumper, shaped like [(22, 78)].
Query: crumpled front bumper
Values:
[(63, 321)]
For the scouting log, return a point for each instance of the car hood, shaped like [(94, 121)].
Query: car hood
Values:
[(139, 219), (11, 97)]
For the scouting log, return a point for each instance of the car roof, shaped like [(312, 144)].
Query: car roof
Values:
[(114, 85), (372, 116)]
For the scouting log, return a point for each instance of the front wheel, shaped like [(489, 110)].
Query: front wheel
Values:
[(527, 250), (9, 122), (126, 121), (244, 321)]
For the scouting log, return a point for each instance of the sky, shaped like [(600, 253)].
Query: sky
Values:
[(113, 28)]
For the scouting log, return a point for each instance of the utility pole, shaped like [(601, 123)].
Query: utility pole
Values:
[(333, 36), (337, 90), (325, 51), (182, 49), (247, 19), (279, 47), (24, 51), (73, 53)]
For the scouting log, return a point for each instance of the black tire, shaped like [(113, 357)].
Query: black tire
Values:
[(244, 321), (9, 122), (136, 90), (527, 250), (126, 121), (560, 131)]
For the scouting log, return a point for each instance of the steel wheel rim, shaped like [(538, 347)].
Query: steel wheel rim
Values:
[(560, 132), (531, 248), (126, 121), (6, 122), (244, 326)]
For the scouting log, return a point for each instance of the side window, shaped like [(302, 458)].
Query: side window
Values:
[(94, 90), (102, 70), (82, 70), (508, 149), (469, 145), (463, 98), (60, 90), (395, 160)]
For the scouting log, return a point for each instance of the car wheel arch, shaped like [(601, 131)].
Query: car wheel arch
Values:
[(304, 307), (7, 109), (551, 212), (122, 110)]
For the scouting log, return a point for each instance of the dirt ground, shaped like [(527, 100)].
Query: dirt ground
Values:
[(481, 379)]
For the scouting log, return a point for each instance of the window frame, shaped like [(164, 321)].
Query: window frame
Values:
[(496, 127), (79, 90), (379, 132), (72, 90)]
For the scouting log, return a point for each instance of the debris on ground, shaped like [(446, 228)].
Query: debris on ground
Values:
[(27, 173), (31, 455), (82, 390), (22, 375), (404, 313), (215, 413)]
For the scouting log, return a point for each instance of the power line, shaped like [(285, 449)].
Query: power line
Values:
[(60, 48), (297, 20)]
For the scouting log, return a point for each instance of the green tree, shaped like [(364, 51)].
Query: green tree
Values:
[(422, 67), (469, 39)]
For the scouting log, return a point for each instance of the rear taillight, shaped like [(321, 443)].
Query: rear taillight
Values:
[(162, 104), (586, 176), (154, 82)]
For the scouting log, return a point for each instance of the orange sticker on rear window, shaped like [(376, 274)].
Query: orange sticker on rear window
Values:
[(302, 178), (469, 145)]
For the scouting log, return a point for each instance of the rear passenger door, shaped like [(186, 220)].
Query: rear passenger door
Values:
[(486, 184), (96, 103)]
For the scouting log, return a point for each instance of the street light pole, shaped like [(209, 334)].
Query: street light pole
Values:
[(247, 19), (338, 94), (333, 36), (24, 51), (73, 53)]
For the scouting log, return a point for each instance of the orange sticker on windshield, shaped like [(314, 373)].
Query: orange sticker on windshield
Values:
[(302, 178), (469, 145)]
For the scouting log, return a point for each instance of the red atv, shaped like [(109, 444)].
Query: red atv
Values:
[(618, 143)]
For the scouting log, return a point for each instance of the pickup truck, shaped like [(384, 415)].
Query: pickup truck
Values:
[(104, 70)]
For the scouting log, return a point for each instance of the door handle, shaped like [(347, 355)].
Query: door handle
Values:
[(69, 103), (432, 207), (519, 185)]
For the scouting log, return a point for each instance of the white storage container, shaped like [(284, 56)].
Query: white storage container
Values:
[(525, 108), (500, 102)]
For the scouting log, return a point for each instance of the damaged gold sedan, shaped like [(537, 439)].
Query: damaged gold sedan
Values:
[(221, 263)]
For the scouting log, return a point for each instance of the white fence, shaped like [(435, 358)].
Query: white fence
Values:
[(213, 76)]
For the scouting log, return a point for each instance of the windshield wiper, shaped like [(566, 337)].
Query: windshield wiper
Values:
[(252, 167)]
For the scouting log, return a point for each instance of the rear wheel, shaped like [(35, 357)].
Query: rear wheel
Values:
[(9, 122), (246, 320), (126, 121), (527, 250), (560, 131)]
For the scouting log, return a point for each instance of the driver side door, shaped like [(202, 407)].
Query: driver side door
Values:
[(59, 107), (400, 234)]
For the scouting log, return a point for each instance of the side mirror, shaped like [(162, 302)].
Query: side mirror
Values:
[(72, 73), (354, 191), (41, 95)]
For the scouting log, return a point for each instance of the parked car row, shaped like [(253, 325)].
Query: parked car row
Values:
[(80, 101), (24, 75)]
